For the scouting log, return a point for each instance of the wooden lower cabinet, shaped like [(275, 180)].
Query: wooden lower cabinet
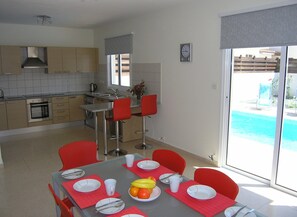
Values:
[(16, 114), (131, 129), (75, 112), (60, 109), (3, 116)]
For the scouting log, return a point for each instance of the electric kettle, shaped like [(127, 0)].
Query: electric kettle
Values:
[(93, 87)]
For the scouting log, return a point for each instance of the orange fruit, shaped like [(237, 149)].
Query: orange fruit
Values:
[(143, 193), (134, 191), (152, 178)]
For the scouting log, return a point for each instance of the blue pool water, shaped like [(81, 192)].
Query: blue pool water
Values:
[(261, 128)]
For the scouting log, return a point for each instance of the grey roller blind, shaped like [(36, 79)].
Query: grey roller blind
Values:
[(119, 45), (269, 27)]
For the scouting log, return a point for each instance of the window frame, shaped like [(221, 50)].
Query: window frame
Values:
[(109, 71)]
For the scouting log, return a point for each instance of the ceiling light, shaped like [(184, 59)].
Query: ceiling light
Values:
[(43, 19)]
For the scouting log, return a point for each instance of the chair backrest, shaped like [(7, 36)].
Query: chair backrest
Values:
[(217, 180), (65, 211), (121, 109), (77, 154), (148, 105), (170, 159)]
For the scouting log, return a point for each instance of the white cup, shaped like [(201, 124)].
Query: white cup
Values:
[(110, 185), (129, 159), (174, 183)]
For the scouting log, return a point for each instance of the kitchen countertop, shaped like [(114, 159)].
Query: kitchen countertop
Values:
[(31, 96)]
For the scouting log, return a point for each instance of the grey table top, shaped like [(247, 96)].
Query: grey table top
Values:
[(106, 106), (164, 206)]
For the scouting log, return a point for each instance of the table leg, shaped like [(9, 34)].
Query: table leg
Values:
[(96, 132), (57, 192), (104, 133)]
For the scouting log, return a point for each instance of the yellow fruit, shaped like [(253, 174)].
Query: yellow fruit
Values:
[(144, 183)]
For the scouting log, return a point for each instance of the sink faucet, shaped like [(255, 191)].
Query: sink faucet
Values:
[(115, 92)]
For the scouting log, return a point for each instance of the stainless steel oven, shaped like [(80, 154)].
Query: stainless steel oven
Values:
[(39, 109)]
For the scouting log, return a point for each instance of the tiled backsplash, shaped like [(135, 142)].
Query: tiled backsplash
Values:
[(150, 73), (36, 81)]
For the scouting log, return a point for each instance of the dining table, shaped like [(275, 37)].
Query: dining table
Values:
[(166, 204), (103, 108)]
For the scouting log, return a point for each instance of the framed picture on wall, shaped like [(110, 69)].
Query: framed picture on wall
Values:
[(185, 52)]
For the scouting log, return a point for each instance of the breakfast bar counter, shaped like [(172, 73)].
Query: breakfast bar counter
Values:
[(104, 107)]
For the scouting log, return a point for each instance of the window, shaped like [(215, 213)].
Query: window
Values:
[(119, 69)]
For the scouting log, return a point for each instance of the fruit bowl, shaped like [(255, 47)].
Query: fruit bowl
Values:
[(154, 195)]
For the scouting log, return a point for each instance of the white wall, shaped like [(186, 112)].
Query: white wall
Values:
[(36, 35), (189, 116)]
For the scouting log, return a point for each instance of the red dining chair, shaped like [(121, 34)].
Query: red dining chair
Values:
[(170, 159), (65, 205), (218, 180), (148, 107), (77, 154), (121, 111)]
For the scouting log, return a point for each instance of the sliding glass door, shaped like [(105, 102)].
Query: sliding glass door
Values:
[(286, 175), (262, 126)]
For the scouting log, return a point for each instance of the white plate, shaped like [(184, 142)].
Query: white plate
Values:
[(73, 174), (148, 165), (233, 209), (201, 192), (132, 215), (166, 180), (86, 185), (110, 210), (154, 195)]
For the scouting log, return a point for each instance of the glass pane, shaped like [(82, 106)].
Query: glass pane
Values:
[(287, 176), (125, 72), (253, 109), (114, 69)]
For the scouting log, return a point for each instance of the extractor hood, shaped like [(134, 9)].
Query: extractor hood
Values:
[(33, 60)]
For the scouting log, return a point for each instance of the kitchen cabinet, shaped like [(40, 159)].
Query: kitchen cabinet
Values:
[(86, 59), (16, 114), (61, 59), (10, 60), (69, 59), (3, 116), (54, 60), (75, 112), (60, 109)]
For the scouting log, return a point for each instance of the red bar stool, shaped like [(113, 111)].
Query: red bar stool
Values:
[(148, 107), (121, 111)]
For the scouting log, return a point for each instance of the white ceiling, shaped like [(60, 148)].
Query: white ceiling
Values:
[(76, 13)]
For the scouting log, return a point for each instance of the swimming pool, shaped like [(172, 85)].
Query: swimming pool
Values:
[(261, 128)]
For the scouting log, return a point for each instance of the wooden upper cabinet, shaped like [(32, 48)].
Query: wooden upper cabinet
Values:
[(61, 59), (69, 59), (11, 60), (86, 59), (54, 59)]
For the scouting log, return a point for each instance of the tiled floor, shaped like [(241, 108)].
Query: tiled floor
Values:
[(29, 160)]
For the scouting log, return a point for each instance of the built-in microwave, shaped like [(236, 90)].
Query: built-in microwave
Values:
[(39, 109)]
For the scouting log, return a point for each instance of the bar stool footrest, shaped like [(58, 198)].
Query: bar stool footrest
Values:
[(143, 146), (116, 152)]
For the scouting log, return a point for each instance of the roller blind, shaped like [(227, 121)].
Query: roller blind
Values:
[(269, 27), (119, 45)]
